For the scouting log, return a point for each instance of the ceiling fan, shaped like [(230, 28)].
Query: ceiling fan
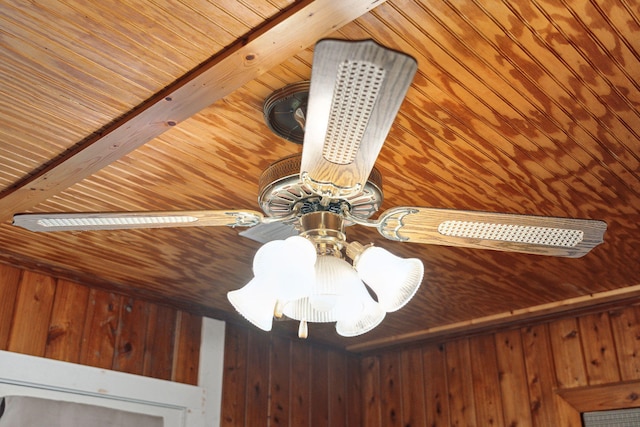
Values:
[(354, 94)]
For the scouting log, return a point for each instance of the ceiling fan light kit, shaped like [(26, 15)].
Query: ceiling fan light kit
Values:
[(342, 116), (318, 285)]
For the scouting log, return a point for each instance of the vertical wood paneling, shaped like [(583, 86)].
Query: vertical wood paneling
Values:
[(63, 320), (131, 341), (599, 349), (271, 380), (320, 406), (337, 389), (460, 383), (508, 378), (390, 389), (486, 385), (625, 325), (300, 385), (513, 379), (280, 389), (413, 405), (160, 345), (100, 330), (355, 395), (257, 403), (32, 313), (9, 282), (66, 329), (235, 376), (372, 413), (187, 348), (435, 384), (567, 353), (540, 374)]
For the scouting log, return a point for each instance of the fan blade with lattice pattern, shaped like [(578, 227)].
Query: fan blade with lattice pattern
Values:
[(565, 237), (124, 220), (355, 93)]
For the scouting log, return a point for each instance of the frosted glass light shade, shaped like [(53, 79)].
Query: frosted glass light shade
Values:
[(357, 322), (332, 295), (395, 280), (296, 264), (256, 302), (335, 278), (301, 309), (266, 260), (289, 264)]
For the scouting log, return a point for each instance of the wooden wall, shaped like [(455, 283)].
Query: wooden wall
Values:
[(62, 320), (520, 377), (274, 381), (511, 378)]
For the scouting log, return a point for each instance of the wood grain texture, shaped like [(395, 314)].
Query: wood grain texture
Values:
[(599, 347), (522, 108), (359, 85), (512, 376), (10, 279), (187, 348), (281, 381), (515, 377), (625, 325), (67, 321), (231, 68), (486, 385), (436, 396), (66, 327), (33, 305)]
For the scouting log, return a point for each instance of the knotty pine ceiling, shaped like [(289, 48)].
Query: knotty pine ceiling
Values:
[(520, 107)]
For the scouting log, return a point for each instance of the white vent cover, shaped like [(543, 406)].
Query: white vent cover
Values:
[(103, 221), (357, 87), (512, 233)]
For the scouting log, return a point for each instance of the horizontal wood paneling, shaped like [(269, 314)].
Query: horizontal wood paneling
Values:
[(275, 381), (532, 376), (62, 320)]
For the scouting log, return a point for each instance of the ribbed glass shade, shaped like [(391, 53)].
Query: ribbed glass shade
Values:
[(394, 280), (335, 278), (256, 302), (336, 283), (354, 322), (301, 309)]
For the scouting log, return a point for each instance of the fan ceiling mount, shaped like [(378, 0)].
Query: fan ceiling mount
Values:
[(343, 116)]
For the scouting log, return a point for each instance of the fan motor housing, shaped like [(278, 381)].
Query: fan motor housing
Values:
[(280, 190)]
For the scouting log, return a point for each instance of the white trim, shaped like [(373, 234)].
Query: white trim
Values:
[(180, 405), (211, 367)]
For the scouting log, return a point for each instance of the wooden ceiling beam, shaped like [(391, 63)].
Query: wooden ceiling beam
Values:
[(279, 39)]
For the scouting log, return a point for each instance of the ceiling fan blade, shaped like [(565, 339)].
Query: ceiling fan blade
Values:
[(565, 237), (355, 93), (125, 220)]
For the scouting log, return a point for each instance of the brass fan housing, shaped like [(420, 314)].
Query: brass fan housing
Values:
[(280, 190)]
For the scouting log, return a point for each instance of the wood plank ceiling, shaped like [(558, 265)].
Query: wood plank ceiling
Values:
[(520, 107)]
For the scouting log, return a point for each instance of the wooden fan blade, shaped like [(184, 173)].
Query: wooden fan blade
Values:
[(565, 237), (125, 220), (355, 92)]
